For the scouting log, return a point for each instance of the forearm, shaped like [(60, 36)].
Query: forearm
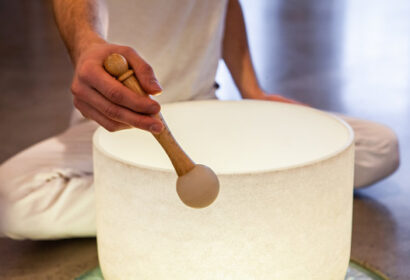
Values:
[(236, 52), (81, 23)]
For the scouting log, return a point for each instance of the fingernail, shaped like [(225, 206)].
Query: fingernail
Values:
[(157, 93), (155, 85), (156, 128)]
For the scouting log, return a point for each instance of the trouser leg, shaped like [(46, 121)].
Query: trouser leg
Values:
[(376, 151), (46, 191)]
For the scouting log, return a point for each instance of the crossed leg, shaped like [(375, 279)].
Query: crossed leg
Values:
[(46, 191)]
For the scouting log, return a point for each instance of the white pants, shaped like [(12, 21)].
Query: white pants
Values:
[(46, 191)]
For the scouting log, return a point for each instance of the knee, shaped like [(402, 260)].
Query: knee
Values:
[(16, 208), (49, 203), (377, 156), (10, 214), (27, 202), (392, 150), (387, 149)]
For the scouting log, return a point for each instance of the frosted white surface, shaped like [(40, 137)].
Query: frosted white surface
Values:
[(284, 223), (245, 136)]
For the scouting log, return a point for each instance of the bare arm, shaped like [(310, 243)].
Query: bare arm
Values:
[(97, 95), (236, 52), (81, 23), (238, 59)]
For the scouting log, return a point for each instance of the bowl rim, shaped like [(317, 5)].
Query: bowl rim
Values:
[(346, 146)]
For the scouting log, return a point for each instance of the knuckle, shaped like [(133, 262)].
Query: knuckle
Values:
[(84, 71), (114, 94), (112, 112), (140, 123), (140, 106), (76, 89), (136, 123), (128, 50)]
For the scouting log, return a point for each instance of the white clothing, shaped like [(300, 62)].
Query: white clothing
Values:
[(376, 151), (46, 191), (180, 39)]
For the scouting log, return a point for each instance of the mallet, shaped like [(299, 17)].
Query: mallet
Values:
[(197, 185)]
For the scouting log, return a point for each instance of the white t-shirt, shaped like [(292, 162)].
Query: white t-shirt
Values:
[(180, 39)]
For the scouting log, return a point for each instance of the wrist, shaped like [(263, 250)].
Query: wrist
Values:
[(84, 42), (254, 94)]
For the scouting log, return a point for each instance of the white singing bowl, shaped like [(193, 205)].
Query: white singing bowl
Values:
[(284, 210)]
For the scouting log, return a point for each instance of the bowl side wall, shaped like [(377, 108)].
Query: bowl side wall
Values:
[(285, 224)]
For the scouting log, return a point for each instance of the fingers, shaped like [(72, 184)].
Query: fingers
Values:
[(102, 108), (101, 97), (143, 72), (279, 98), (95, 76), (91, 113)]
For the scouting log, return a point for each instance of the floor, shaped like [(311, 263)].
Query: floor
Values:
[(347, 56)]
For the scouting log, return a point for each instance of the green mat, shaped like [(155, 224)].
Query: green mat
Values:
[(355, 271)]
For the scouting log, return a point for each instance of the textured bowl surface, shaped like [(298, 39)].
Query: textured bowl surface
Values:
[(354, 272), (284, 209)]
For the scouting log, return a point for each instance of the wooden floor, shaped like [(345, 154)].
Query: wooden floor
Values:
[(346, 56)]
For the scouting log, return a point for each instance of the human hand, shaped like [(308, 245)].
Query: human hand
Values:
[(100, 97), (274, 97), (280, 98)]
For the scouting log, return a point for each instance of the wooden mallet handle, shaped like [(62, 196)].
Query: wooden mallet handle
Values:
[(117, 66)]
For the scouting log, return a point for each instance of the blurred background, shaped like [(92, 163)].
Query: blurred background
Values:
[(347, 56)]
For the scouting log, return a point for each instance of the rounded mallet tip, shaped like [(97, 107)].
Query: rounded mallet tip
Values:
[(199, 187)]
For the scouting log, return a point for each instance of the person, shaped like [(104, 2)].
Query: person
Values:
[(46, 191)]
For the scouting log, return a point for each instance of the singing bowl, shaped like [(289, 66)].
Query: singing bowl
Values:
[(284, 209)]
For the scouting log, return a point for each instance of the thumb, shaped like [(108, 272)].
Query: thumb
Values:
[(145, 74)]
